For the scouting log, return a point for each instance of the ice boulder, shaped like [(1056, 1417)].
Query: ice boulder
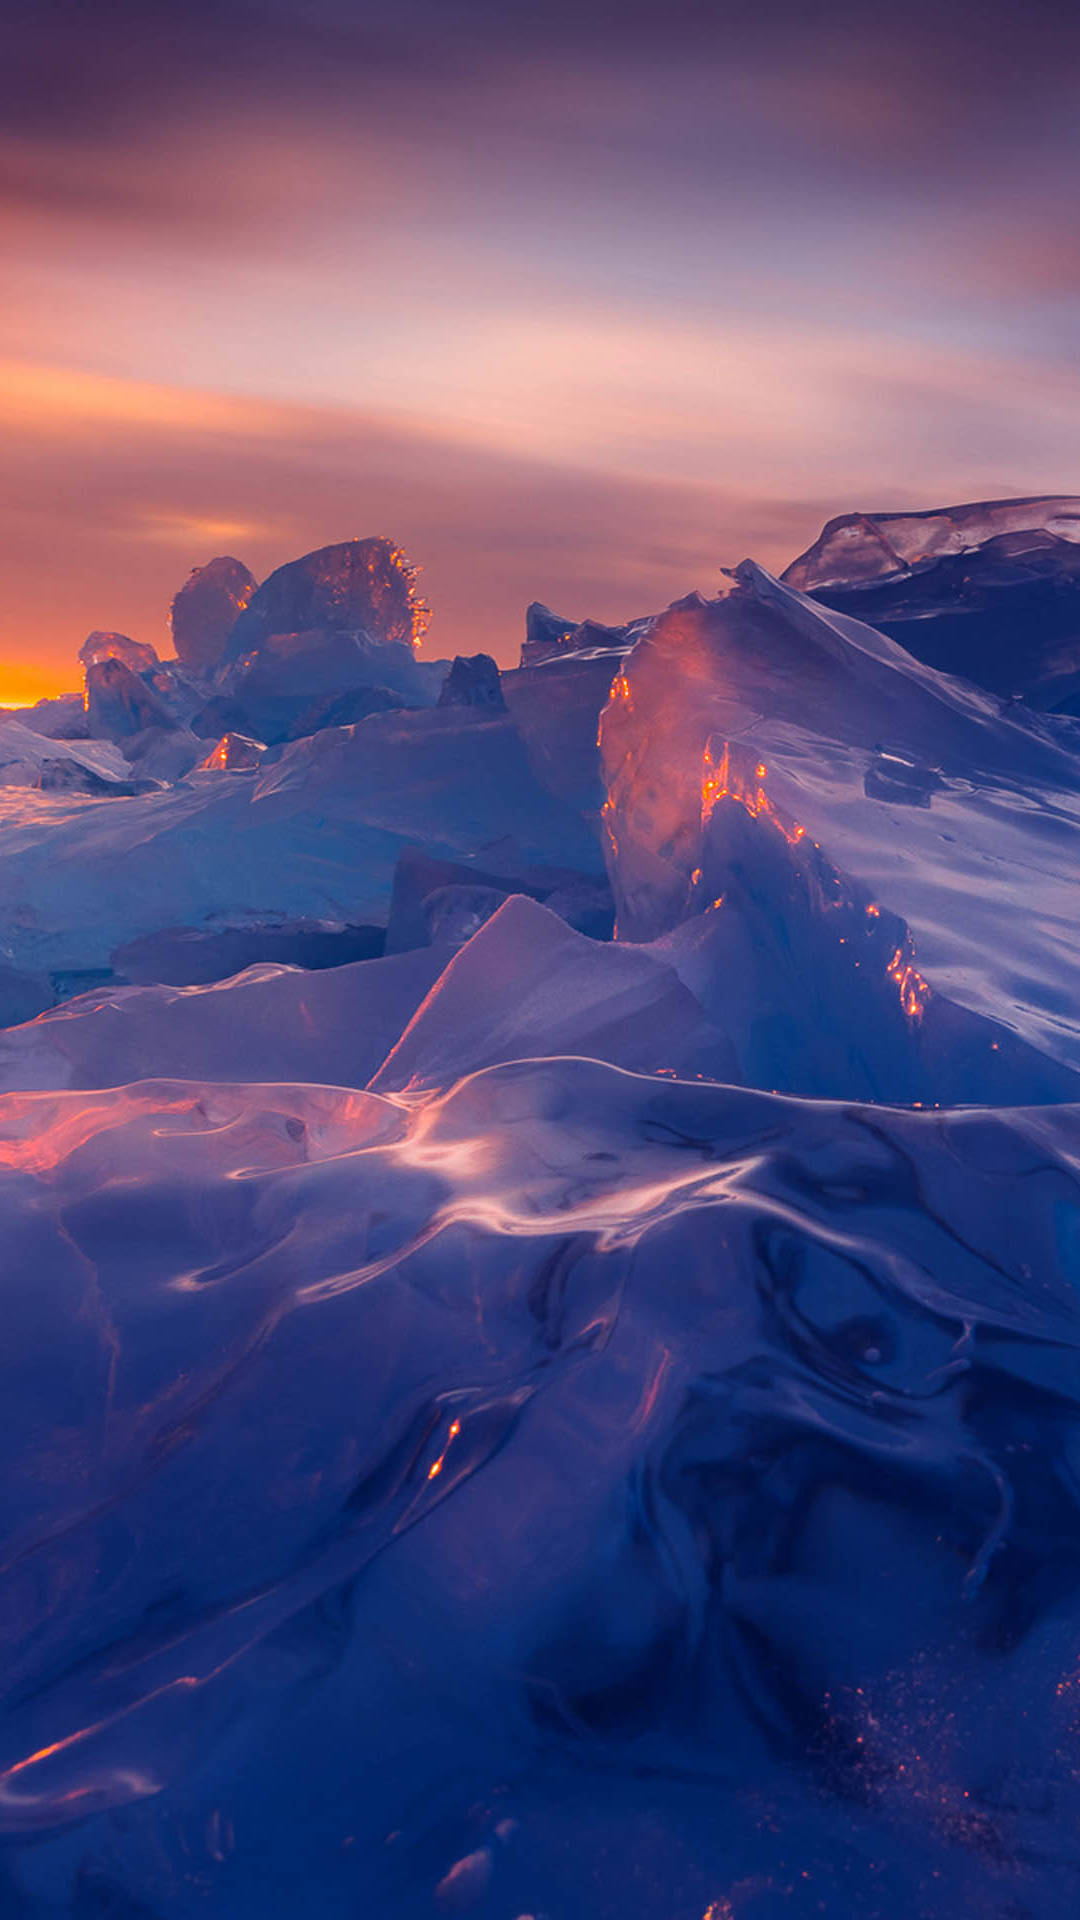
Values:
[(473, 681), (234, 753), (990, 591), (321, 661), (205, 611), (355, 586), (119, 702), (818, 985), (344, 709), (63, 774), (116, 646), (452, 914)]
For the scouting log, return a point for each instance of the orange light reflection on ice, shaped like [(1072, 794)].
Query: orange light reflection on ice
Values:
[(39, 1130), (913, 989), (436, 1466), (721, 781), (652, 1391)]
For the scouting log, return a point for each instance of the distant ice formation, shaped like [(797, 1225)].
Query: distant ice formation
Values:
[(206, 609), (541, 1224), (990, 591), (357, 586), (135, 654)]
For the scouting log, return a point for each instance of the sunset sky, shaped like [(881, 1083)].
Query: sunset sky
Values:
[(578, 302)]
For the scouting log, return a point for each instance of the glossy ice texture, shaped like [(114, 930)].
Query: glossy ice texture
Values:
[(530, 1423)]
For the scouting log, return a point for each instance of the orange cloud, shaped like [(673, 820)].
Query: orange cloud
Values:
[(603, 467), (100, 524), (60, 399)]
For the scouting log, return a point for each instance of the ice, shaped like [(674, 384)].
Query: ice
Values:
[(205, 611), (116, 646), (819, 987), (297, 683), (452, 914), (548, 637), (314, 837), (991, 590), (29, 759), (357, 586), (201, 956), (556, 708), (422, 884), (271, 1022), (234, 753), (162, 754), (62, 718), (545, 633), (528, 1423), (317, 663), (22, 997), (521, 1471), (857, 548), (527, 984), (473, 682), (984, 877), (120, 703)]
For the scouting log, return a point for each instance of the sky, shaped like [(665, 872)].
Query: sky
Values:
[(576, 302)]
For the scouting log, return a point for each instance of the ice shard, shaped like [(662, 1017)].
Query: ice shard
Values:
[(990, 591), (768, 698), (120, 702), (473, 681)]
